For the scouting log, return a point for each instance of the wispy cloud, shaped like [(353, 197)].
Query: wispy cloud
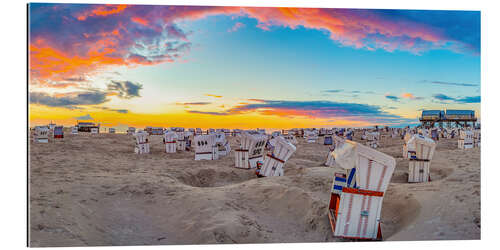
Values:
[(236, 27), (333, 91), (122, 111), (392, 97), (193, 103), (86, 117), (207, 112), (451, 83), (212, 95), (466, 99)]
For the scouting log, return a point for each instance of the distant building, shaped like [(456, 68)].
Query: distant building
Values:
[(460, 118), (86, 126)]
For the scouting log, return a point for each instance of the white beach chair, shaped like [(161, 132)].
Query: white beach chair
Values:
[(41, 134), (130, 131), (141, 142), (205, 148), (251, 150), (181, 141), (354, 211), (223, 147), (477, 138), (408, 150), (372, 139), (275, 161), (311, 136), (94, 131), (466, 139), (419, 165), (111, 130), (170, 141), (74, 130)]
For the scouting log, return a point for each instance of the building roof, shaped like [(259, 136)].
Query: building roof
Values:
[(459, 112)]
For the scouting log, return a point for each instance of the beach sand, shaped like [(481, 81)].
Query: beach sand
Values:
[(94, 191)]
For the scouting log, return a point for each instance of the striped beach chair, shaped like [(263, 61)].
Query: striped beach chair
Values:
[(354, 211)]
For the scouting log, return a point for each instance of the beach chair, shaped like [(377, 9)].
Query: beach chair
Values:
[(74, 130), (41, 134), (327, 140), (372, 139), (275, 161), (251, 150), (94, 131), (420, 161), (336, 141), (111, 130), (477, 138), (310, 136), (356, 202), (466, 139), (170, 141), (408, 149), (130, 131), (205, 148), (141, 142), (322, 132), (223, 147), (58, 132), (181, 141)]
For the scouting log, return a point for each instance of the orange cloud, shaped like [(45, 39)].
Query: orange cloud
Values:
[(140, 20), (408, 95), (216, 96), (108, 9)]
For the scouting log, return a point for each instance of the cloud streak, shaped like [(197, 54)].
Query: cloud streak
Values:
[(68, 100), (451, 83), (466, 99), (312, 110)]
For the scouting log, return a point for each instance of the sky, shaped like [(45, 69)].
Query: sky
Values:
[(248, 67)]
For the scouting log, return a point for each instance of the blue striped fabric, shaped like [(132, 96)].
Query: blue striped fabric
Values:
[(340, 179)]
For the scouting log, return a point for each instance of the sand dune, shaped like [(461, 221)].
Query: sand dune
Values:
[(96, 191)]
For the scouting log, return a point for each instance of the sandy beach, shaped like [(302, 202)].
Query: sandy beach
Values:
[(94, 191)]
